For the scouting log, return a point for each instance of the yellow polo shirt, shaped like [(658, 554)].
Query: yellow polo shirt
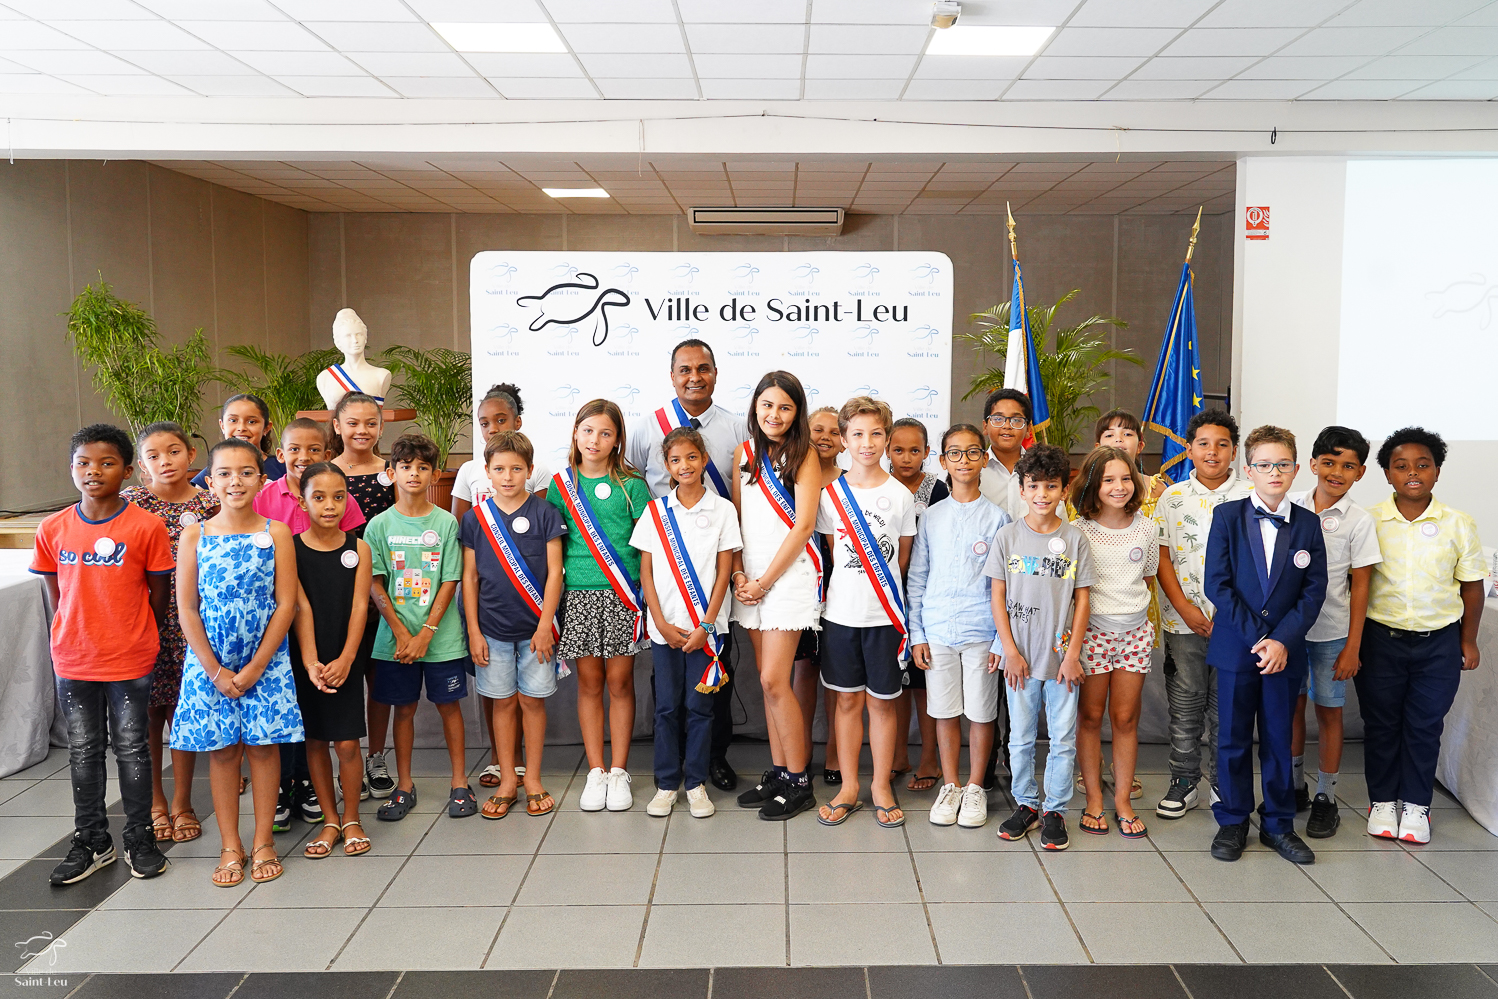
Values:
[(1415, 587)]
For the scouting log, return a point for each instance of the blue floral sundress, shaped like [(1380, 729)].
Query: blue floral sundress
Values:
[(236, 598)]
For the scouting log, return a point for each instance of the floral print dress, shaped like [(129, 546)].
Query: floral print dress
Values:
[(236, 598)]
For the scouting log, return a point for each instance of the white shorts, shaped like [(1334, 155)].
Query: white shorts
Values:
[(959, 683), (791, 604)]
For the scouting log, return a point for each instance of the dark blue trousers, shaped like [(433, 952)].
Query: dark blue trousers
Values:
[(1405, 687), (676, 694), (1245, 701)]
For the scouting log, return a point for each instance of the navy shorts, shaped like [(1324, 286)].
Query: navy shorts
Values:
[(401, 683), (855, 659)]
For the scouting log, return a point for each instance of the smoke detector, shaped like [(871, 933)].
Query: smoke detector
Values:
[(944, 13)]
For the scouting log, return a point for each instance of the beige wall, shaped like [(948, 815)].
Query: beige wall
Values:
[(189, 252)]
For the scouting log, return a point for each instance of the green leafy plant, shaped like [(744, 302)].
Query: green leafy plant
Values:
[(438, 384), (1073, 370), (142, 382), (287, 384)]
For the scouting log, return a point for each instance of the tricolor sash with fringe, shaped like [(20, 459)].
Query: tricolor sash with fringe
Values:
[(347, 383), (675, 415), (625, 588), (514, 564), (784, 504), (690, 586), (881, 577)]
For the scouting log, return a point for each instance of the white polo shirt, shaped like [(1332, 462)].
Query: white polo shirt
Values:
[(720, 430), (1351, 543), (710, 527), (1001, 487)]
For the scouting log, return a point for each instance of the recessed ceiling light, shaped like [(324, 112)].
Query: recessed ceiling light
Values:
[(575, 192), (482, 36), (985, 40)]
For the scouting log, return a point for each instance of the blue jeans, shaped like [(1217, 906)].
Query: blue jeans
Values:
[(676, 677), (1061, 728), (107, 711)]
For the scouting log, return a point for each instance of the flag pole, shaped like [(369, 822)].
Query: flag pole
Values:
[(1014, 256), (1191, 246)]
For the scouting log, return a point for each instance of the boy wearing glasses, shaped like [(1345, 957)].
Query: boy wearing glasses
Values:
[(1266, 572), (1006, 421)]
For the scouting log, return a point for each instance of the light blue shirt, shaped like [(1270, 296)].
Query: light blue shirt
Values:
[(946, 587)]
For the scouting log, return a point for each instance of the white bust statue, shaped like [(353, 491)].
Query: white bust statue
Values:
[(355, 374)]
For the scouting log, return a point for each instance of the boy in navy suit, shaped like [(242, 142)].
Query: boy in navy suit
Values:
[(1266, 574)]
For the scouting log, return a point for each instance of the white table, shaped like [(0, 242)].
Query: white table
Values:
[(28, 693), (1468, 766)]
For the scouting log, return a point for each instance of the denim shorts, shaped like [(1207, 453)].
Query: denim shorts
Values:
[(512, 666), (1325, 692)]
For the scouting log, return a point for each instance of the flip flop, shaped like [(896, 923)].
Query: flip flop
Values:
[(533, 804), (492, 775), (399, 805), (1100, 824), (881, 813), (1136, 824), (919, 782), (498, 806), (353, 846), (185, 826), (847, 807)]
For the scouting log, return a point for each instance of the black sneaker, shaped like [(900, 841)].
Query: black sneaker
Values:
[(144, 858), (305, 803), (1303, 798), (1020, 823), (790, 799), (1053, 832), (756, 796), (377, 776), (1179, 798), (282, 821), (81, 861), (1324, 818)]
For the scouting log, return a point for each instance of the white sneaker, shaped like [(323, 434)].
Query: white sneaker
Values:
[(1383, 820), (660, 806), (620, 796), (944, 809), (702, 805), (595, 792), (1414, 824), (974, 811)]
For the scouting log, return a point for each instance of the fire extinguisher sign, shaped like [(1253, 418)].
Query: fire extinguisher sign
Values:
[(1256, 222)]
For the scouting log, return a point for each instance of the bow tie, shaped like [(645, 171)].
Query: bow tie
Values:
[(1278, 520)]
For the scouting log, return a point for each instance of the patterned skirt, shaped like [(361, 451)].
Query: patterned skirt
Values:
[(596, 623)]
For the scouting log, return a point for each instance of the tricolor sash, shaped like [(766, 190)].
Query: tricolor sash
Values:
[(690, 586), (515, 565), (675, 415), (347, 383), (881, 577), (784, 504), (625, 588)]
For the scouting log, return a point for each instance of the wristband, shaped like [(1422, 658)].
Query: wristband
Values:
[(741, 572), (430, 627)]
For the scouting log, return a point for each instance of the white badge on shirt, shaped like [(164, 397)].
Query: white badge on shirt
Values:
[(104, 547), (1330, 524), (980, 547), (883, 503), (429, 538), (603, 490), (1302, 559), (520, 525), (384, 478), (703, 520), (349, 558), (261, 539), (1136, 554), (1430, 528), (1056, 546), (188, 519)]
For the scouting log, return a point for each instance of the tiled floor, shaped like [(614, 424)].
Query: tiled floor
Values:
[(578, 890)]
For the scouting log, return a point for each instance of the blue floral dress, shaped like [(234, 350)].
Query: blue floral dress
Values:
[(236, 598)]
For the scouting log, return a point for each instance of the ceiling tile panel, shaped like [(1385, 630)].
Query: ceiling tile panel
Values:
[(1302, 67), (586, 38), (31, 35), (647, 90), (1350, 41), (765, 11), (955, 90), (744, 67), (1481, 41), (860, 67), (336, 86), (529, 89), (1382, 13), (37, 83), (1055, 90), (1230, 41), (228, 10), (518, 65), (299, 63), (1271, 13), (129, 86), (1109, 41), (265, 36), (500, 11), (1260, 90), (947, 67), (1193, 68), (746, 38), (1456, 90), (751, 90), (658, 66), (1078, 68), (1361, 90), (867, 38), (343, 10), (411, 63), (582, 11), (379, 36), (1140, 13), (441, 86), (73, 62), (1424, 68), (232, 86)]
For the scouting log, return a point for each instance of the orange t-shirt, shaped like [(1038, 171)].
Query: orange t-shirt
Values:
[(103, 628)]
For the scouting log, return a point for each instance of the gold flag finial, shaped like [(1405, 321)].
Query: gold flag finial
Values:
[(1191, 246), (1013, 245)]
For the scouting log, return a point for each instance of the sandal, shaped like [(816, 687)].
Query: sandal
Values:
[(533, 803), (161, 826), (497, 807), (881, 816), (185, 826), (234, 867), (833, 777), (492, 775), (354, 845), (1136, 790), (848, 808), (1132, 827), (319, 848), (258, 865), (244, 783), (399, 805), (1095, 824), (461, 803), (920, 782)]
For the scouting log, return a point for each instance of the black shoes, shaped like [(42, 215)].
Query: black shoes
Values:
[(767, 788), (1229, 842), (1053, 832), (304, 802), (81, 861), (1020, 823), (144, 857), (1287, 845), (788, 800), (281, 821), (1324, 818), (1302, 798), (722, 776)]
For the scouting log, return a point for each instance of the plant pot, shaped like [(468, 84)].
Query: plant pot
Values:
[(440, 492)]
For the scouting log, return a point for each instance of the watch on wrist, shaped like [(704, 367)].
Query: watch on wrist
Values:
[(709, 627)]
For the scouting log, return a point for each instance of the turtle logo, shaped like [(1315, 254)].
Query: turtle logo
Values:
[(866, 272), (499, 272), (557, 306), (927, 271), (806, 272), (924, 394), (626, 272), (745, 273), (687, 272)]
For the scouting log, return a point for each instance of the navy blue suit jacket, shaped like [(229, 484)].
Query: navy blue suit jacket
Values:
[(1249, 606)]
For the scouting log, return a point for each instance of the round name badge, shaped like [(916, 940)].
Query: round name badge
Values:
[(1136, 554), (1330, 524), (703, 521), (261, 539), (603, 490), (920, 509), (384, 478), (520, 525), (350, 559), (188, 519), (1302, 559), (429, 538), (1429, 529), (104, 547), (883, 503), (1056, 546), (980, 547)]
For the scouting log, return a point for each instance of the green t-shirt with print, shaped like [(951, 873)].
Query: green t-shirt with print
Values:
[(416, 555), (615, 513)]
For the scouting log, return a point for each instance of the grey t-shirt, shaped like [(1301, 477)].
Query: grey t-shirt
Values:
[(1041, 572)]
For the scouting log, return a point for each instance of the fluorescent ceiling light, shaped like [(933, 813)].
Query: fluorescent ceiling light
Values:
[(576, 192), (500, 37), (983, 40)]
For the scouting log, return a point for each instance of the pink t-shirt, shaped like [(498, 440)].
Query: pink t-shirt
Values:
[(278, 502)]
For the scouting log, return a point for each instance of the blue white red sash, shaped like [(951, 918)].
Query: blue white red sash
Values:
[(690, 586), (625, 588), (881, 577), (784, 504), (675, 415), (514, 564), (346, 382)]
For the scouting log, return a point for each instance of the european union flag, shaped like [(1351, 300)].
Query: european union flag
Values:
[(1022, 364), (1176, 393)]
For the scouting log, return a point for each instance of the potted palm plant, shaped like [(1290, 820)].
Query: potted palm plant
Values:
[(1073, 369), (438, 384), (287, 384)]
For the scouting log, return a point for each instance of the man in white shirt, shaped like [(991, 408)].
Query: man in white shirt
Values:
[(1006, 420), (694, 376)]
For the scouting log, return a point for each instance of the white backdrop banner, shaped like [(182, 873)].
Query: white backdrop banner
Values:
[(569, 327)]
